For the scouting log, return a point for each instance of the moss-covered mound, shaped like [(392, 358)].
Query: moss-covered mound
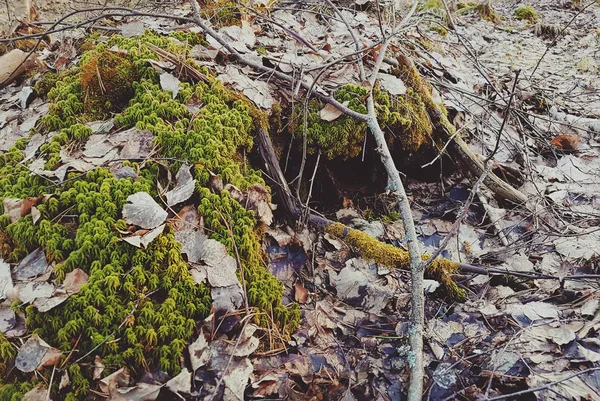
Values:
[(140, 307), (404, 119)]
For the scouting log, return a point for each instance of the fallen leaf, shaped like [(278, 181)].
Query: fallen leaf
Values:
[(74, 280), (98, 367), (39, 393), (112, 382), (184, 188), (31, 266), (392, 84), (169, 83), (132, 29), (24, 95), (6, 283), (300, 293), (566, 142), (143, 211), (330, 113), (199, 352), (36, 353), (182, 383), (146, 239), (35, 289), (64, 380), (7, 318), (13, 64)]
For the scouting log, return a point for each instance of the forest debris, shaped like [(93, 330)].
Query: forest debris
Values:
[(566, 142), (13, 64), (169, 83), (132, 29), (143, 211), (35, 354), (182, 383), (255, 90), (17, 208), (359, 284), (6, 283), (37, 394), (392, 84), (31, 266), (330, 113), (7, 318), (184, 188)]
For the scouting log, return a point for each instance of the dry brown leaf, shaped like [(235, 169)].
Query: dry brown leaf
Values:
[(330, 113), (566, 142)]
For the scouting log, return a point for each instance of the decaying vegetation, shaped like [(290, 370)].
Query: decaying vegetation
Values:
[(143, 197)]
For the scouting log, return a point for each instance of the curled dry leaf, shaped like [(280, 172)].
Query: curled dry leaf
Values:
[(143, 211)]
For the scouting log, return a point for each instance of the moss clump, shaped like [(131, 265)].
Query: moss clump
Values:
[(527, 13), (342, 137), (140, 306), (432, 5), (221, 12), (106, 83), (391, 256), (439, 29), (487, 12)]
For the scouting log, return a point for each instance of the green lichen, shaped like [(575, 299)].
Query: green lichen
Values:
[(141, 306), (527, 13)]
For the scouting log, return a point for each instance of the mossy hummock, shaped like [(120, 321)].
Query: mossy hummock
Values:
[(140, 307)]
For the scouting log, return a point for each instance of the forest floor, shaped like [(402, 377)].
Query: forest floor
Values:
[(529, 329)]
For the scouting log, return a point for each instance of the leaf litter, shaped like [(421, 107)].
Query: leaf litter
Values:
[(353, 311)]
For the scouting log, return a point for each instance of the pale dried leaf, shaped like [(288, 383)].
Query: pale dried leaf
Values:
[(147, 238), (132, 29), (6, 283), (8, 319), (74, 280), (31, 266), (12, 208), (143, 211), (184, 188), (98, 367), (31, 354), (182, 383), (330, 113), (236, 379), (36, 394), (392, 84), (64, 380), (199, 352), (35, 289), (169, 83)]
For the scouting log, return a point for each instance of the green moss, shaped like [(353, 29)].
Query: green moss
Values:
[(342, 137), (439, 29), (391, 256), (140, 306), (486, 12), (527, 13), (432, 5), (106, 83)]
